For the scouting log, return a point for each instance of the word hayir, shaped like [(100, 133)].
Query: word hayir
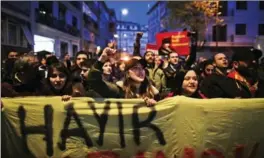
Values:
[(47, 128)]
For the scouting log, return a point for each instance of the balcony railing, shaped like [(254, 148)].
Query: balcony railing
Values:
[(49, 20), (90, 26)]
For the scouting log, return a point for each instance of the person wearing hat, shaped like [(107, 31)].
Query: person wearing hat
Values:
[(165, 49), (176, 64), (241, 82), (134, 85)]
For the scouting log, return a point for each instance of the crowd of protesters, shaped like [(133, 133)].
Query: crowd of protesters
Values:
[(150, 77)]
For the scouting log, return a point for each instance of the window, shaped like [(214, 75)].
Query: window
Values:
[(261, 5), (241, 5), (12, 34), (261, 29), (64, 48), (23, 40), (74, 21), (74, 49), (223, 8), (46, 7), (240, 29), (219, 33), (3, 31), (62, 12)]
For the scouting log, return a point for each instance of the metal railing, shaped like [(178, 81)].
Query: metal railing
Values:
[(49, 20)]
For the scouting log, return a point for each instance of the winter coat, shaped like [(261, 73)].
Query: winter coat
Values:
[(48, 90), (96, 86), (104, 88), (9, 90), (219, 86), (171, 71), (157, 76)]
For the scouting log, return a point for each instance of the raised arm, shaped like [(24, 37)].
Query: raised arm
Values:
[(136, 51), (192, 57)]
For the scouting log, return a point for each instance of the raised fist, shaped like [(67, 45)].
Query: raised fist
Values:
[(107, 52), (139, 35)]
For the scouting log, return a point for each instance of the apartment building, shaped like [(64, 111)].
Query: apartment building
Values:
[(126, 35), (57, 26), (243, 26)]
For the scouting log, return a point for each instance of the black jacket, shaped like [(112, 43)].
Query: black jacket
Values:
[(218, 86), (171, 72)]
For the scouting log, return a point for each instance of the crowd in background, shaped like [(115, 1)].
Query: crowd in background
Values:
[(152, 77)]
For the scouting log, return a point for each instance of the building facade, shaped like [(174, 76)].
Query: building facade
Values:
[(99, 25), (15, 28), (156, 20), (243, 25), (57, 26), (126, 35)]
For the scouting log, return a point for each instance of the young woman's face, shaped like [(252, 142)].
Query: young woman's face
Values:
[(190, 83), (137, 73), (107, 68), (209, 69), (81, 58), (58, 79)]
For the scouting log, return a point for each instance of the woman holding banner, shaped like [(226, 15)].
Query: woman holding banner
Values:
[(134, 85), (187, 84), (58, 83)]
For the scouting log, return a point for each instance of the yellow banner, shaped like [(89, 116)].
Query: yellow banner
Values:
[(125, 128)]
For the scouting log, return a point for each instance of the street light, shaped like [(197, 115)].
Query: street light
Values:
[(116, 36), (124, 12)]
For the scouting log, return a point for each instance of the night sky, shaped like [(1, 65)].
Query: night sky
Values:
[(137, 10)]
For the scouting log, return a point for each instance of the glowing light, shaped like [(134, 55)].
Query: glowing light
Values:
[(43, 43), (125, 58), (116, 35), (124, 11)]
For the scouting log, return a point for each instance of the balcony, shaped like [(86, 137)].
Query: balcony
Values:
[(47, 19), (112, 27), (90, 24), (91, 28)]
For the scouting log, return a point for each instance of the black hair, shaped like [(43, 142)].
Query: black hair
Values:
[(59, 67), (179, 81), (87, 63), (52, 60), (81, 52)]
